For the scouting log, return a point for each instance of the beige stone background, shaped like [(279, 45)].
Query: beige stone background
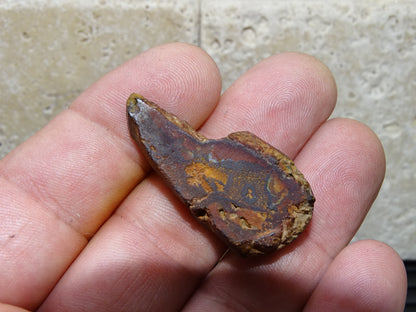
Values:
[(50, 51)]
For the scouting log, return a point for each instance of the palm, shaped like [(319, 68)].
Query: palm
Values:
[(87, 227)]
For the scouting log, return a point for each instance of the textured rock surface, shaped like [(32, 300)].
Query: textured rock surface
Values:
[(247, 192), (370, 46), (45, 63)]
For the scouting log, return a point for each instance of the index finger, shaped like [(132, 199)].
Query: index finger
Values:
[(57, 188)]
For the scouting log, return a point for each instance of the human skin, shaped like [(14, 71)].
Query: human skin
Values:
[(86, 226)]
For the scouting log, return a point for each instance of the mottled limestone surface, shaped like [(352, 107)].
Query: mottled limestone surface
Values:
[(51, 51), (370, 46)]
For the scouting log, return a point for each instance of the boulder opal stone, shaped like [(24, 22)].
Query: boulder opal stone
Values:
[(247, 192)]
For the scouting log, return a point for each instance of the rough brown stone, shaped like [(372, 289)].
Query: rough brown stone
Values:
[(247, 192)]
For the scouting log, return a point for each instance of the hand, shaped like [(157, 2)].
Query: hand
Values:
[(85, 225)]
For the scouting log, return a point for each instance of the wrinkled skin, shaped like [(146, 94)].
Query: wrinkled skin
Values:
[(86, 226)]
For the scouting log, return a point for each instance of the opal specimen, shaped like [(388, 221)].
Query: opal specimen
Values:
[(247, 192)]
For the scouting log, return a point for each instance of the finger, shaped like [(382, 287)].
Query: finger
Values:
[(346, 166), (90, 141), (151, 254), (365, 276), (283, 100), (62, 184), (152, 244), (344, 162), (9, 308)]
